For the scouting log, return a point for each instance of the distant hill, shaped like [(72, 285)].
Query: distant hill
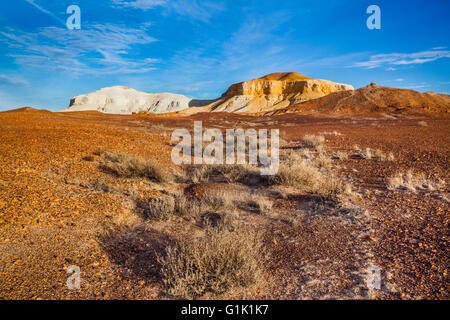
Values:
[(27, 109), (373, 99)]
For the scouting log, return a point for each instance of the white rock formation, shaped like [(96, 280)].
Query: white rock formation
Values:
[(123, 100)]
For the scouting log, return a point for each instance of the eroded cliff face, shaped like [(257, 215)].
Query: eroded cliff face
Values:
[(285, 87), (272, 92)]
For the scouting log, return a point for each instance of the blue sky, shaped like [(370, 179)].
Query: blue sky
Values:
[(200, 47)]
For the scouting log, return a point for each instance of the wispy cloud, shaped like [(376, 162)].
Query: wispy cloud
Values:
[(416, 86), (396, 59), (96, 49), (12, 80), (201, 10), (197, 9), (396, 80), (139, 4), (43, 10)]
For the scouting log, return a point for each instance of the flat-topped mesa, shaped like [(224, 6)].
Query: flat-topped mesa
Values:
[(270, 85), (274, 91)]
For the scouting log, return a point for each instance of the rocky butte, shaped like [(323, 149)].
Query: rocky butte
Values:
[(271, 92)]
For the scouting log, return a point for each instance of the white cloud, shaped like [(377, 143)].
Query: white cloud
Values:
[(140, 4), (396, 59), (201, 10), (197, 10), (95, 49), (43, 10), (11, 80), (396, 80), (418, 86)]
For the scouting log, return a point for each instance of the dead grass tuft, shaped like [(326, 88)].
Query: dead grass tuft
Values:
[(322, 161), (172, 206), (412, 181), (340, 155), (300, 174), (313, 141), (369, 154), (334, 190), (215, 264), (422, 124), (128, 166), (331, 133), (231, 173)]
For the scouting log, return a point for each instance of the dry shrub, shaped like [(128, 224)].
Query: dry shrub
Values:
[(322, 161), (331, 133), (161, 208), (221, 261), (334, 190), (128, 166), (381, 156), (217, 202), (282, 142), (301, 174), (390, 157), (178, 205), (313, 141), (412, 181), (388, 116), (225, 221), (291, 156), (422, 124), (168, 207), (369, 153), (263, 206), (366, 154), (231, 173), (258, 205), (340, 155)]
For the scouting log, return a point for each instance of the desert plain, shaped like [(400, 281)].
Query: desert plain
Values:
[(373, 193)]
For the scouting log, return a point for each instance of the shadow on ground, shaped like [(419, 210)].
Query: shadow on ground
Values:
[(137, 251)]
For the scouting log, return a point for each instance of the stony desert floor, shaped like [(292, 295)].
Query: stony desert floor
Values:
[(60, 205)]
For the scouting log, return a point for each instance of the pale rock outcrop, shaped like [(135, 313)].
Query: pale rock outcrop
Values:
[(123, 100)]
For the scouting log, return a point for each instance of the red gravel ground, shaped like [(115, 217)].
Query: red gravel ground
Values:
[(53, 213)]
